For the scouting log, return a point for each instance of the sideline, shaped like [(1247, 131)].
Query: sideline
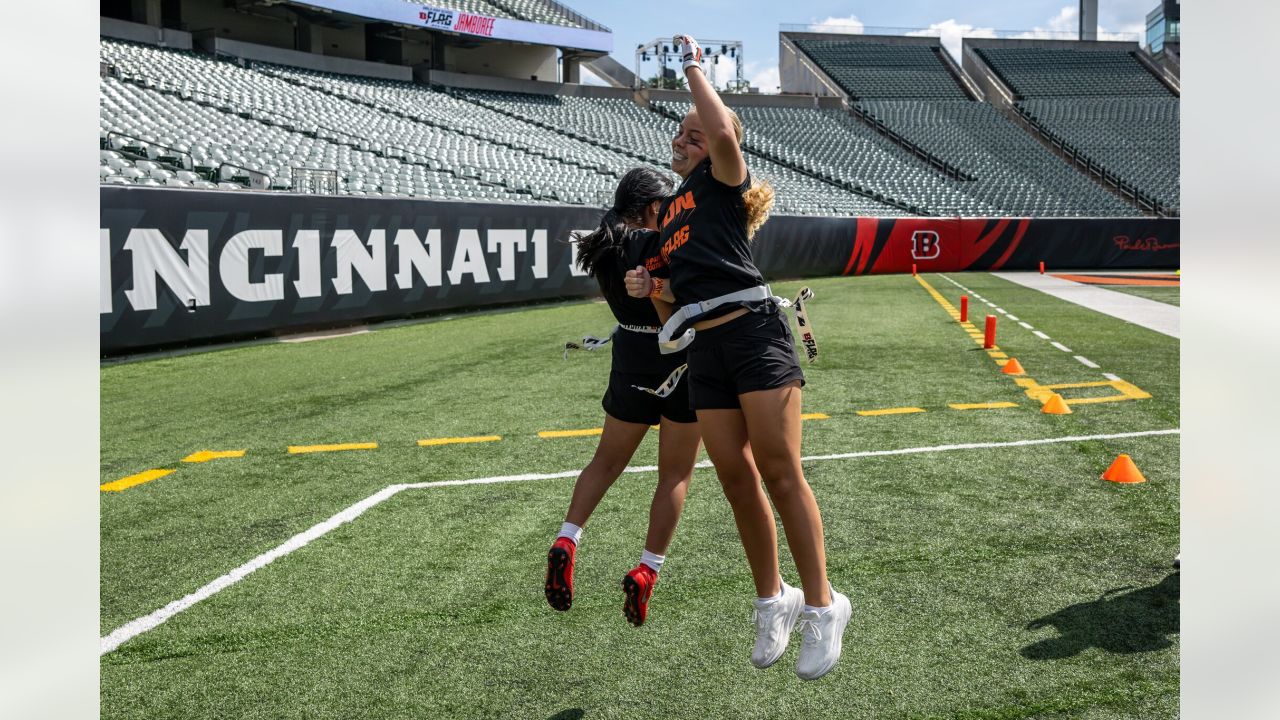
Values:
[(1151, 314)]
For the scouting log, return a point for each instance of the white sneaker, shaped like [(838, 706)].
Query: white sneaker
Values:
[(821, 635), (774, 621)]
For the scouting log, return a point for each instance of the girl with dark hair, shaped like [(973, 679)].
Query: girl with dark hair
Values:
[(744, 376), (627, 237)]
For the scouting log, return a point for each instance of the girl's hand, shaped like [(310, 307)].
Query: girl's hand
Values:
[(638, 282), (690, 52)]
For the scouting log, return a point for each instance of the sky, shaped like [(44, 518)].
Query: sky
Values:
[(755, 23)]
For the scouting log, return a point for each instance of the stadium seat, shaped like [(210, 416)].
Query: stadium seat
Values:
[(909, 89), (1104, 105)]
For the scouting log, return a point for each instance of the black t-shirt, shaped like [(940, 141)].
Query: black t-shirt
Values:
[(638, 352), (704, 239)]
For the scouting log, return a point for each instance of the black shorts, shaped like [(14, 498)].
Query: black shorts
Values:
[(628, 404), (749, 353)]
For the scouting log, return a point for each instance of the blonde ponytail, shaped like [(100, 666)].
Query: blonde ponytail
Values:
[(758, 201)]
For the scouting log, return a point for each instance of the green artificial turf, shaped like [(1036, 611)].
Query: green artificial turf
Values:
[(1170, 295), (995, 583)]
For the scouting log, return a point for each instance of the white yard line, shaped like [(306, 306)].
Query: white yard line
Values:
[(134, 628), (1040, 334)]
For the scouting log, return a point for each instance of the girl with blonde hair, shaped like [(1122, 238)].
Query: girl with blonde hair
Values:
[(744, 376)]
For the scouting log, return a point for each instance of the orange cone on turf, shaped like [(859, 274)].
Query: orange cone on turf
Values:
[(1123, 471), (1055, 405), (1013, 367)]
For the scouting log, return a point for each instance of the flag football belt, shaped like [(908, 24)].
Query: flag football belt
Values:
[(591, 342), (668, 385), (669, 342)]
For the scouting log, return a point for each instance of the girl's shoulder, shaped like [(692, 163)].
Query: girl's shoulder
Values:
[(705, 171)]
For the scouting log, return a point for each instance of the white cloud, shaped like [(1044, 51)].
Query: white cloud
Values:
[(952, 33), (763, 76), (1067, 19), (1066, 26), (850, 25)]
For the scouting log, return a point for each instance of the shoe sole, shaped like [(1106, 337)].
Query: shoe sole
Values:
[(791, 625), (558, 591), (633, 607)]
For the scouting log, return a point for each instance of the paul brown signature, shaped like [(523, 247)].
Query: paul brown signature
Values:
[(1124, 242)]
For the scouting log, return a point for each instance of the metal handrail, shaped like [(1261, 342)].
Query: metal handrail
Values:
[(857, 29), (1095, 168), (190, 164), (896, 138), (264, 178)]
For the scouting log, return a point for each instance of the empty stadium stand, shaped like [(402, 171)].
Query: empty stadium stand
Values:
[(882, 70), (1103, 105), (623, 124), (912, 142), (907, 90), (391, 138), (1051, 72), (833, 144)]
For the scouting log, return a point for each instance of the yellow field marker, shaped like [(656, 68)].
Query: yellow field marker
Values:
[(300, 449), (890, 411), (1033, 389), (982, 406), (430, 442), (207, 455), (569, 433), (127, 482), (815, 416)]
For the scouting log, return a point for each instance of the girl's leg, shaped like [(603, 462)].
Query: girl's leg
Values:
[(724, 432), (618, 442), (772, 421), (677, 452)]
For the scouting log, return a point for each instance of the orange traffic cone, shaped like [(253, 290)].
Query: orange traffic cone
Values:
[(1123, 471), (1013, 367), (1055, 405)]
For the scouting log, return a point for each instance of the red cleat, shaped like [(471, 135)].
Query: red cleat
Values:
[(637, 585), (559, 587)]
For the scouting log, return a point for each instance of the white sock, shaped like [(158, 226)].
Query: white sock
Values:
[(782, 588), (571, 531), (653, 560)]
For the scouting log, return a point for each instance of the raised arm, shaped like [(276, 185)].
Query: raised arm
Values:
[(727, 164)]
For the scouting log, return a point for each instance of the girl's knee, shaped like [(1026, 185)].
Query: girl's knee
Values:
[(784, 485), (740, 488)]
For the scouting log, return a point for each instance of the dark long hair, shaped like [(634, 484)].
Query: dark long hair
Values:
[(600, 252)]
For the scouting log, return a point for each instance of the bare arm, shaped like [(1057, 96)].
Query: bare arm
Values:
[(727, 164), (665, 309), (640, 284)]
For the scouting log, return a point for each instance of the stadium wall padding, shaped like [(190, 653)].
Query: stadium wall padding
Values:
[(182, 267)]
